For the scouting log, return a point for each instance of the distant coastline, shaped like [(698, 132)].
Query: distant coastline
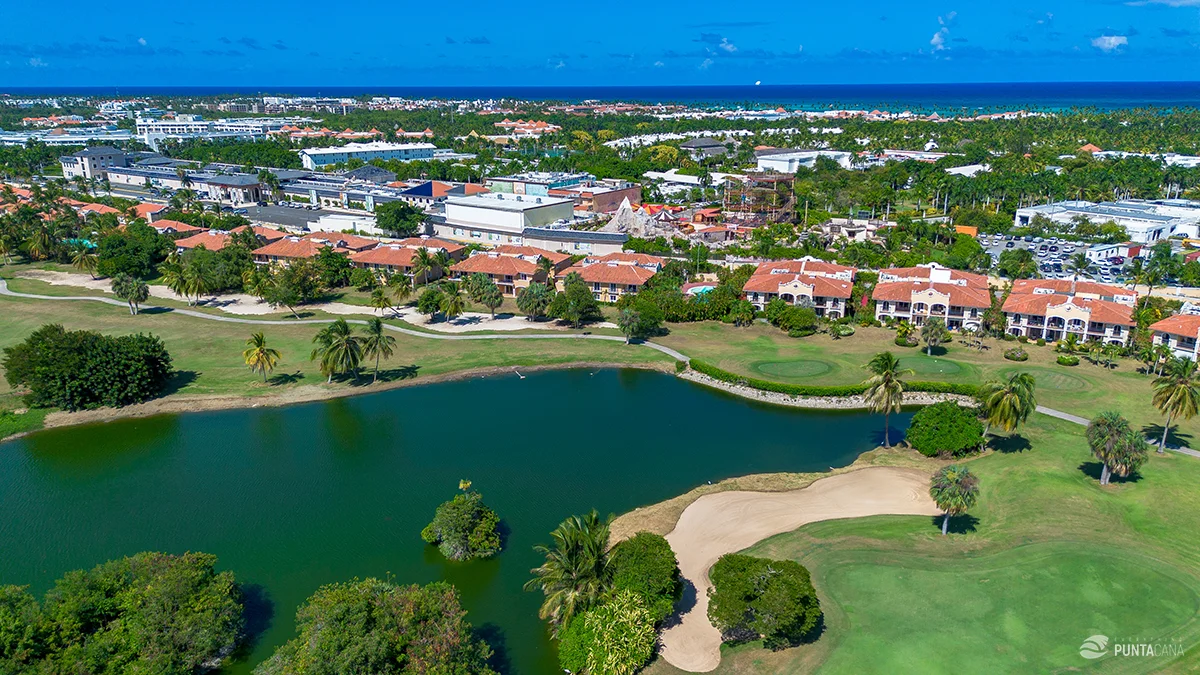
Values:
[(941, 98)]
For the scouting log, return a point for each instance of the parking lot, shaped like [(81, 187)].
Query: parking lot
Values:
[(285, 216), (1053, 257)]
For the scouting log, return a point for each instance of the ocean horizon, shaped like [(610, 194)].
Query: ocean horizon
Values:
[(941, 98)]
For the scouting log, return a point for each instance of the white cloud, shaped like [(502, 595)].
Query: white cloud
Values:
[(800, 48), (705, 64), (560, 64), (659, 64), (1110, 43), (947, 19), (727, 45), (142, 41), (35, 62), (938, 41)]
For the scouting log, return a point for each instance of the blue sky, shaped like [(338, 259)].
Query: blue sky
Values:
[(539, 42)]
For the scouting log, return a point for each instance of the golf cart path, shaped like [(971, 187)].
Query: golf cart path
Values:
[(727, 522)]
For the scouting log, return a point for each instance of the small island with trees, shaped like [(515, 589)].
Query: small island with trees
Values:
[(464, 528)]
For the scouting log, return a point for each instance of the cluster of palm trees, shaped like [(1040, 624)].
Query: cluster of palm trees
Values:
[(187, 280), (45, 228), (339, 351), (1002, 403), (576, 575), (1120, 449)]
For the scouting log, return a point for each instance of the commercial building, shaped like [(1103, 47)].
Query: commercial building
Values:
[(537, 183), (601, 196), (824, 286), (704, 148), (499, 218), (92, 163), (1051, 309), (315, 158), (1145, 221), (790, 161), (917, 294)]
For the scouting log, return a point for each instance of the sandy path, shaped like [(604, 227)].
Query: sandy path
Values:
[(240, 304), (728, 522)]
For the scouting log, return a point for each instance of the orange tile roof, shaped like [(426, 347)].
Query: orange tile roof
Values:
[(1038, 304), (824, 287), (176, 225), (923, 272), (626, 258), (144, 210), (268, 233), (490, 263), (1185, 325), (810, 266), (389, 255), (340, 240), (532, 251), (290, 247), (960, 296), (1064, 286), (613, 273), (211, 240), (98, 208), (430, 242)]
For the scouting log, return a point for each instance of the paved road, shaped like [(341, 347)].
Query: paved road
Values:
[(1084, 422), (4, 290)]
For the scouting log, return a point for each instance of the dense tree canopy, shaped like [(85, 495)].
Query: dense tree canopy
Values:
[(758, 598), (945, 428)]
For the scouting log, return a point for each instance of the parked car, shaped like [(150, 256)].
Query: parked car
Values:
[(1009, 245)]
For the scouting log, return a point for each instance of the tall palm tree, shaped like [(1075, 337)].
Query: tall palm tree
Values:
[(172, 275), (1009, 403), (422, 265), (1176, 394), (1078, 264), (377, 343), (259, 357), (1103, 435), (84, 260), (338, 350), (576, 574), (885, 389), (452, 303), (955, 490), (380, 300), (546, 267), (933, 333), (197, 281), (401, 287)]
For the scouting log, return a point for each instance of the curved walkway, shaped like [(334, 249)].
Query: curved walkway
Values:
[(4, 290), (727, 522)]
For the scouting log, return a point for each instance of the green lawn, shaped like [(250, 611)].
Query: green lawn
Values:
[(1046, 559)]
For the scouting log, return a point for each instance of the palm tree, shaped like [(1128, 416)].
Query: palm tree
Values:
[(380, 300), (131, 290), (885, 389), (576, 573), (534, 299), (1009, 403), (546, 267), (259, 357), (1078, 264), (337, 350), (1103, 435), (401, 287), (933, 333), (422, 265), (628, 321), (197, 281), (452, 303), (1176, 394), (377, 344), (84, 260), (955, 490), (172, 275)]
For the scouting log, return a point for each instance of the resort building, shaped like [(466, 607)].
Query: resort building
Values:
[(1145, 221), (315, 158), (613, 275), (959, 306), (935, 273), (397, 257), (824, 286), (1051, 309), (511, 271), (175, 227), (1181, 333), (537, 183), (92, 163), (215, 240), (285, 250)]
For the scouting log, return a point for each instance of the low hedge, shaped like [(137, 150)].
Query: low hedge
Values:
[(1067, 360), (1016, 354), (825, 390)]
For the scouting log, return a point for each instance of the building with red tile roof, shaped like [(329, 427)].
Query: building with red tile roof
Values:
[(147, 211), (935, 273), (613, 275), (822, 285), (213, 240), (1180, 333), (99, 209), (510, 272), (1053, 308), (175, 227), (957, 304), (350, 242), (285, 250), (560, 260), (397, 257), (266, 234)]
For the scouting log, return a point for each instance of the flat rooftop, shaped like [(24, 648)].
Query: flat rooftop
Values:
[(502, 201)]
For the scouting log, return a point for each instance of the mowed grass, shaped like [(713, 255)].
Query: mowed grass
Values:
[(207, 353), (1046, 559), (766, 352)]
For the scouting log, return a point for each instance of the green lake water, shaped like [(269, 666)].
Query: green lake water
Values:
[(293, 498)]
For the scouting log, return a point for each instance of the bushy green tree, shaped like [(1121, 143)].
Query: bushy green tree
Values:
[(646, 565), (534, 299), (464, 528), (945, 428), (136, 251), (86, 369), (429, 302), (755, 598), (575, 304), (130, 289), (376, 627), (399, 219)]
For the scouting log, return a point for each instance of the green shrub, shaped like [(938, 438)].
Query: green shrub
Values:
[(86, 369), (1009, 337), (1067, 360), (1041, 342), (464, 528), (945, 428), (902, 341), (756, 598), (1022, 339), (1016, 354), (646, 565), (824, 390), (841, 330), (614, 638), (681, 366)]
